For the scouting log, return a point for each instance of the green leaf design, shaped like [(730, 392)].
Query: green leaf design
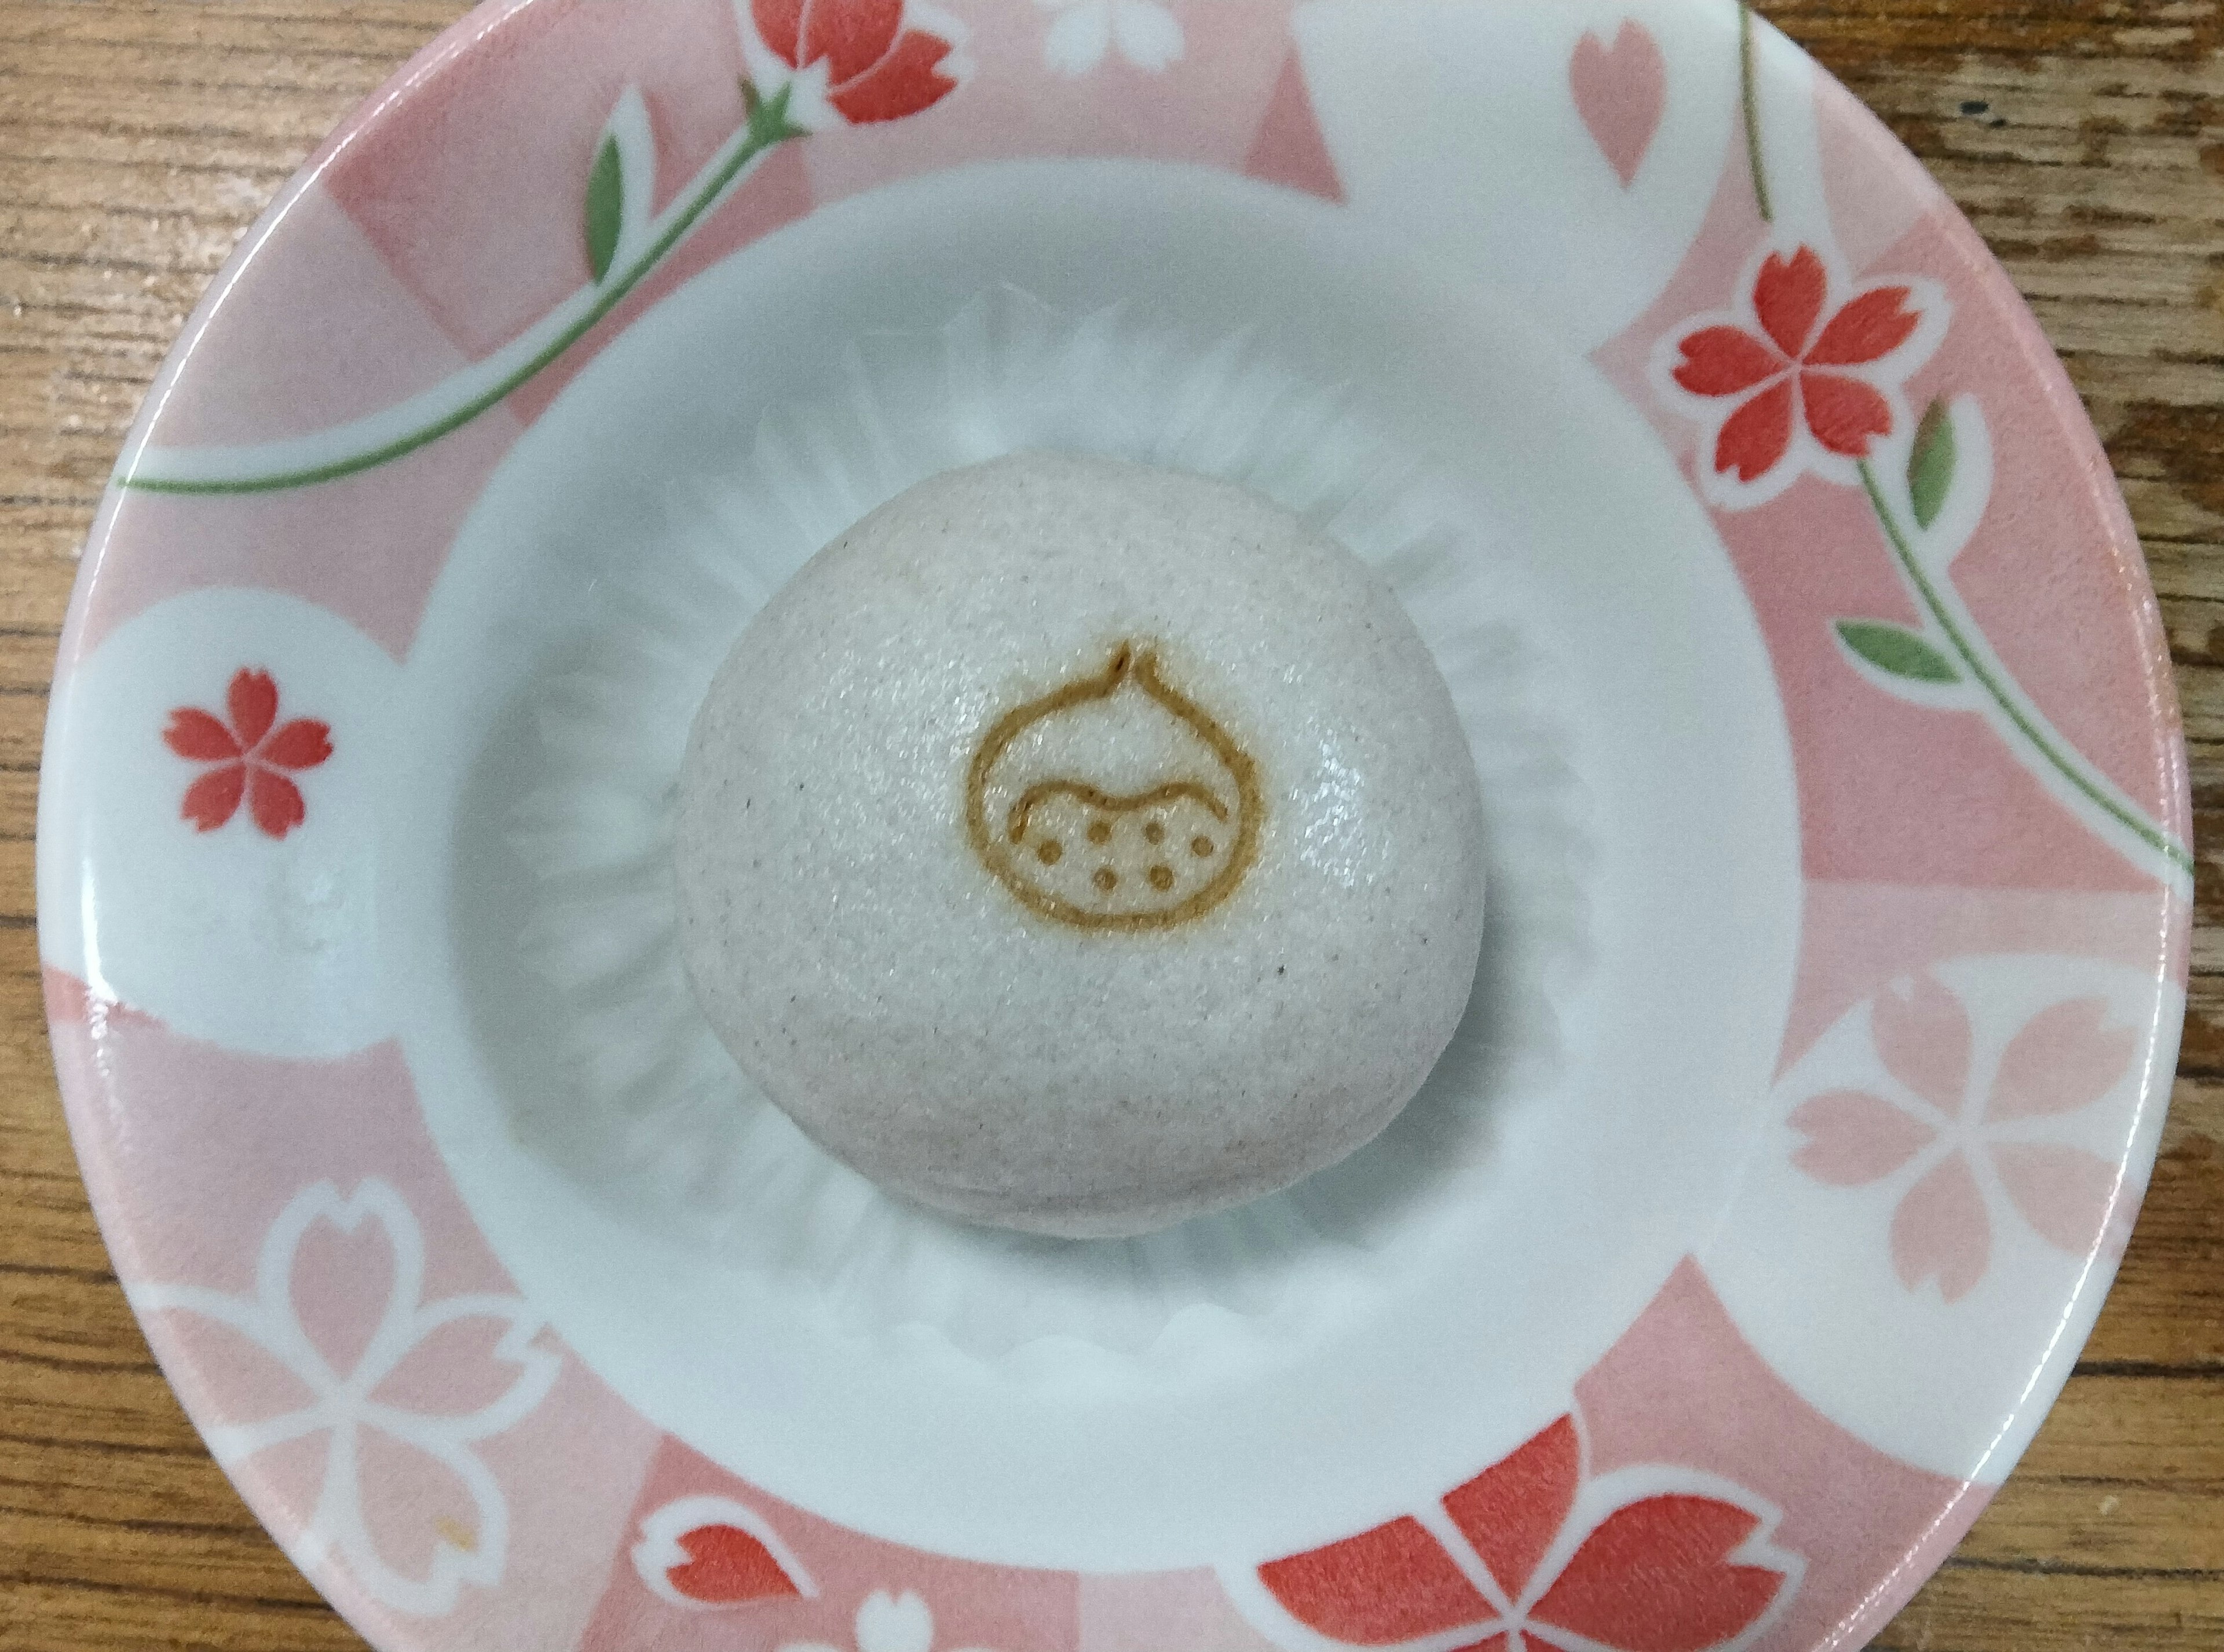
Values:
[(605, 207), (1897, 652), (768, 117), (1930, 466)]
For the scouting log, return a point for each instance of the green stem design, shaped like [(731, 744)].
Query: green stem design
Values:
[(2059, 757), (1748, 82), (769, 125), (2064, 762)]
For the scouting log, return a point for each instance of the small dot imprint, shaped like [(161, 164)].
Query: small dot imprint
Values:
[(1155, 832), (1105, 878), (1048, 852), (1099, 831), (1200, 847), (1162, 877)]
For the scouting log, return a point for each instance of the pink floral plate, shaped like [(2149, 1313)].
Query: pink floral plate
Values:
[(1837, 832)]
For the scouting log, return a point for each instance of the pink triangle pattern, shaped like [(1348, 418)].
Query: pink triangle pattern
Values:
[(1290, 149)]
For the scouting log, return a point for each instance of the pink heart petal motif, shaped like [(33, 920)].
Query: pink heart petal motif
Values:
[(1621, 91)]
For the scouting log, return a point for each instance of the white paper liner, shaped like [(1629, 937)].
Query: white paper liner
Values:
[(665, 1129)]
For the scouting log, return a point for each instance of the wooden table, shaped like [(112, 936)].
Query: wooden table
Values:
[(138, 138)]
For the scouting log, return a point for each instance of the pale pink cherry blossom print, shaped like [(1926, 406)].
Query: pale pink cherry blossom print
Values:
[(1532, 1556), (351, 1383), (1806, 375), (2063, 1059), (886, 1623)]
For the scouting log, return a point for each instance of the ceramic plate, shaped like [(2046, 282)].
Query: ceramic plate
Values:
[(1837, 832)]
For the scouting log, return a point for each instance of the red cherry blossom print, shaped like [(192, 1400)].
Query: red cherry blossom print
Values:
[(1756, 437), (1656, 1576), (1725, 361), (877, 69), (1676, 1572), (1394, 1583), (1868, 328), (709, 1553), (253, 702), (196, 735), (213, 799), (1513, 1509), (250, 757), (726, 1565), (1788, 297), (274, 801), (1845, 414), (1791, 362)]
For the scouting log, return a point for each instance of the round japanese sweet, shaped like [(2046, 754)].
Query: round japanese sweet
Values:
[(1078, 847)]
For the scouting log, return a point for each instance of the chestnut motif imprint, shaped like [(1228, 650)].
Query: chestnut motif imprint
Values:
[(1115, 802)]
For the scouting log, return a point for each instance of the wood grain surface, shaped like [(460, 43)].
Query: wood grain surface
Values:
[(138, 138)]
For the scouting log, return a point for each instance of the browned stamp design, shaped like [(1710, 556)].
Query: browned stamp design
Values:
[(1116, 802)]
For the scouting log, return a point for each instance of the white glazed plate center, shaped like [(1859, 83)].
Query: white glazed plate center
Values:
[(1489, 1287)]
